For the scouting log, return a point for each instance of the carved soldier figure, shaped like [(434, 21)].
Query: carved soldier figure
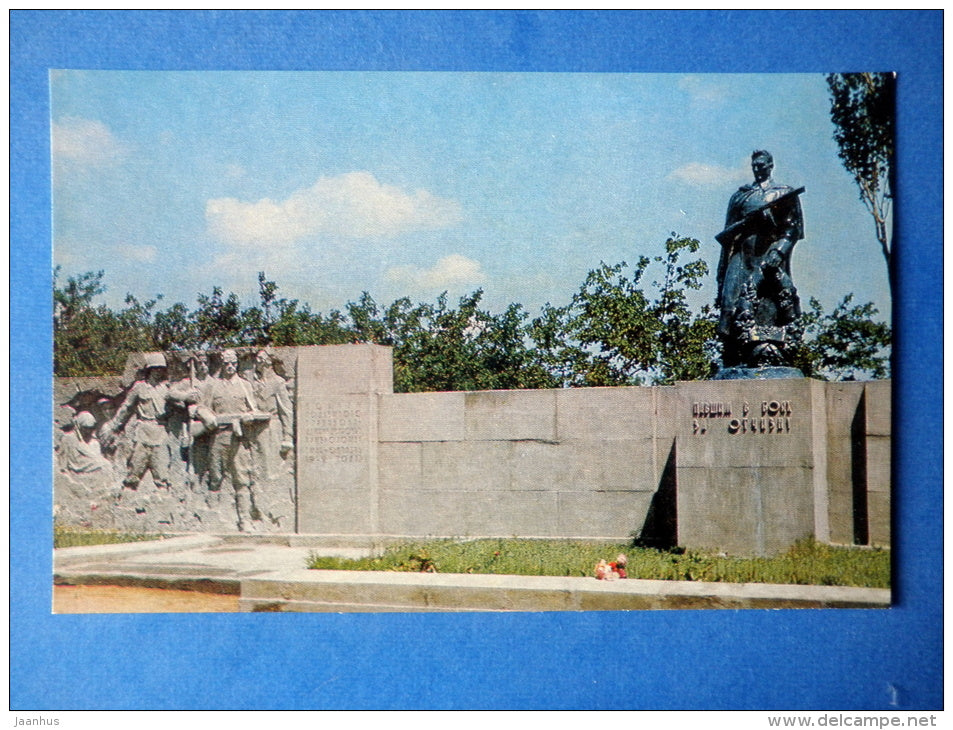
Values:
[(274, 441), (203, 379), (183, 396), (759, 305), (147, 399), (203, 422), (233, 403), (80, 451)]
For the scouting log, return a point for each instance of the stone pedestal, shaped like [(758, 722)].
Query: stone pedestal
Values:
[(751, 464), (767, 372), (337, 437)]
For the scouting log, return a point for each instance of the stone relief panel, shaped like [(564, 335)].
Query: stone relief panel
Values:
[(183, 441)]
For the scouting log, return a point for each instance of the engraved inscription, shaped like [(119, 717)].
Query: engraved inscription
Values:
[(775, 417), (711, 410), (335, 435), (759, 425), (774, 408)]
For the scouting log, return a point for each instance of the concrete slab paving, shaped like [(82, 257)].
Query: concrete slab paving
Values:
[(270, 574), (201, 562)]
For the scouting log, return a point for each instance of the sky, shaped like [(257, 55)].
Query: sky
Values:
[(411, 184)]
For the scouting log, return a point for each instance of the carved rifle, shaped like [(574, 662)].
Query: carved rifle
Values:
[(235, 420), (732, 232), (188, 415)]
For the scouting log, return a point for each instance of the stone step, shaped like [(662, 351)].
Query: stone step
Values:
[(317, 590)]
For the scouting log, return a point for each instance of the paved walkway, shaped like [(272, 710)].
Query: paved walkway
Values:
[(116, 599), (270, 574), (197, 562)]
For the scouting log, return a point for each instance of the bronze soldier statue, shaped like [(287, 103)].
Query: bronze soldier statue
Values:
[(760, 311)]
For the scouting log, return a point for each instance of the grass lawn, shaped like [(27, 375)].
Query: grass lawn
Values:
[(64, 536), (807, 563)]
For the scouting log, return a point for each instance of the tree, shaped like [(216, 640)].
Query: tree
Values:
[(613, 333), (687, 346), (566, 361), (296, 325), (94, 340), (439, 347), (862, 110), (173, 328), (366, 322), (277, 321), (76, 295), (847, 344), (218, 320)]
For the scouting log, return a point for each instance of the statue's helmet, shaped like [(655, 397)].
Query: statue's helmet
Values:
[(84, 419), (229, 356), (154, 360)]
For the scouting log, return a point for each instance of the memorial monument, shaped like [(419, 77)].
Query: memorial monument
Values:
[(742, 466), (212, 430), (759, 321), (313, 440)]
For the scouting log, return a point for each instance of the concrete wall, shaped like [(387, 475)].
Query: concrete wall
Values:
[(751, 473), (747, 467), (534, 463), (877, 472)]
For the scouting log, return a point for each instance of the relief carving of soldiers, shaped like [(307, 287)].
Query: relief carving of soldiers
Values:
[(145, 407), (80, 450), (209, 441), (183, 395), (202, 420), (233, 403), (274, 442)]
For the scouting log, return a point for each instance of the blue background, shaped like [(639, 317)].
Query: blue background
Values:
[(812, 660)]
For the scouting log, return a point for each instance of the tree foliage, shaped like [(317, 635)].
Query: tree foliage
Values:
[(94, 340), (845, 344), (441, 347), (624, 326), (862, 110), (614, 333)]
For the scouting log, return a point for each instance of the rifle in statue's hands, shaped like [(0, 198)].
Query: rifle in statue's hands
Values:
[(732, 232), (237, 420)]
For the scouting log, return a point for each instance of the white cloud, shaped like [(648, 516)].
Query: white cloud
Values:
[(701, 175), (453, 270), (353, 205), (84, 141)]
